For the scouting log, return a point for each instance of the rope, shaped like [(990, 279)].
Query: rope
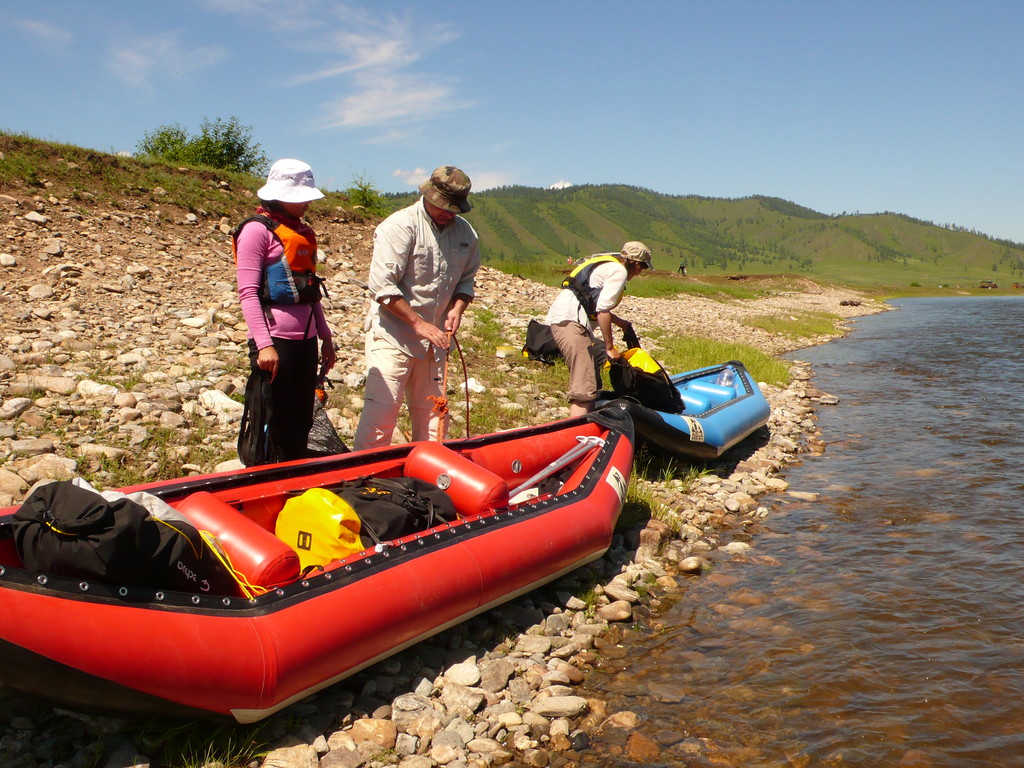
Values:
[(465, 381), (441, 403), (249, 589)]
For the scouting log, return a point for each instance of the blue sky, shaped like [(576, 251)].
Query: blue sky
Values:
[(897, 105)]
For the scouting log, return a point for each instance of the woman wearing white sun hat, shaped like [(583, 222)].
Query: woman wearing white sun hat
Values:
[(275, 255)]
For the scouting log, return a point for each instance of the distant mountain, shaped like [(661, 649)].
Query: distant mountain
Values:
[(751, 235)]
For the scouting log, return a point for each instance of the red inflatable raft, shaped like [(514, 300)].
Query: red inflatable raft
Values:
[(125, 648)]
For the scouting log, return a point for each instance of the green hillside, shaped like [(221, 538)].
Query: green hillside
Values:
[(534, 230)]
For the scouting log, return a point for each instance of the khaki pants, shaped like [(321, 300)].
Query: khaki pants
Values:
[(391, 375), (584, 354)]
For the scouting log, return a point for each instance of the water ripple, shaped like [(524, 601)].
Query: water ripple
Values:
[(882, 624)]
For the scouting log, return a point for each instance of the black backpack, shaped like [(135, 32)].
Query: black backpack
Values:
[(393, 507), (540, 344)]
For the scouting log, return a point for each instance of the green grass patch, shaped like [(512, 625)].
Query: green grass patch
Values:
[(198, 744), (639, 505), (687, 353), (660, 467), (801, 325)]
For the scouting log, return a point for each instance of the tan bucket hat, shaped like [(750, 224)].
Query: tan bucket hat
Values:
[(448, 189)]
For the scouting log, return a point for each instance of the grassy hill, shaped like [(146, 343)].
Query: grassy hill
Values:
[(533, 231)]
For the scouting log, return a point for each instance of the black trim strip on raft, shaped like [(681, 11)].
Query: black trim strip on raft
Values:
[(676, 441), (311, 587)]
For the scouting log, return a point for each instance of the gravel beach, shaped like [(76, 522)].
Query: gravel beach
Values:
[(118, 324)]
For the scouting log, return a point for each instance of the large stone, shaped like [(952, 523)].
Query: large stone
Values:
[(220, 405), (560, 706), (13, 408), (32, 446), (49, 466), (465, 673), (381, 732), (620, 610), (88, 388), (495, 674), (11, 484), (533, 644)]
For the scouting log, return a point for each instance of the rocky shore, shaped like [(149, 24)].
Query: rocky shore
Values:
[(123, 343)]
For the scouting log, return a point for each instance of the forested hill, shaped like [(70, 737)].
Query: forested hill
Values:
[(752, 235)]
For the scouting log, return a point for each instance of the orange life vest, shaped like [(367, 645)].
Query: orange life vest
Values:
[(293, 279)]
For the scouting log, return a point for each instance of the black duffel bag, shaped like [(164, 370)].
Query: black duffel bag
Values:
[(255, 442), (393, 507), (540, 344), (66, 530)]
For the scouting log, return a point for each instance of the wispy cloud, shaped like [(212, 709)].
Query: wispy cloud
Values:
[(376, 58), (48, 34), (373, 62), (161, 59), (389, 100)]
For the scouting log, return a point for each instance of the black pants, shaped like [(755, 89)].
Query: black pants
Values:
[(292, 393)]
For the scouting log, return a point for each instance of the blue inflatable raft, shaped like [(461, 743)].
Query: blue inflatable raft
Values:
[(722, 405)]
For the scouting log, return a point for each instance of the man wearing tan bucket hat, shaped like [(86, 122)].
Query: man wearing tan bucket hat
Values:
[(425, 260), (583, 309)]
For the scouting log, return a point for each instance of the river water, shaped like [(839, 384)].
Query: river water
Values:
[(882, 623)]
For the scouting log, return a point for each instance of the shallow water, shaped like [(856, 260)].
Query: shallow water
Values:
[(881, 624)]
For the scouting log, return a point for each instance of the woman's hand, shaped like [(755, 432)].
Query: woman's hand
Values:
[(268, 360), (328, 357)]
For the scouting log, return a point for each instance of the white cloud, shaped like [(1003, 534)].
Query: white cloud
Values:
[(413, 178), (164, 58), (48, 34), (388, 99), (561, 185), (372, 61)]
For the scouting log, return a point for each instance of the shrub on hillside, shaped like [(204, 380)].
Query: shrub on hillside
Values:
[(223, 144)]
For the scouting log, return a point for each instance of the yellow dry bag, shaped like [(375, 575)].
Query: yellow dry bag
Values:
[(637, 358), (321, 527)]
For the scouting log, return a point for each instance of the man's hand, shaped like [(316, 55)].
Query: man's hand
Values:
[(453, 320), (431, 333), (401, 309)]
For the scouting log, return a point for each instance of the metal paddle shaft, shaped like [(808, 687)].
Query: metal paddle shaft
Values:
[(586, 442)]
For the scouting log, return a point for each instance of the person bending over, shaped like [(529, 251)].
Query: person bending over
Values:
[(583, 310)]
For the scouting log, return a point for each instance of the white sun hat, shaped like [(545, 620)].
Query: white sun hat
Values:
[(290, 181)]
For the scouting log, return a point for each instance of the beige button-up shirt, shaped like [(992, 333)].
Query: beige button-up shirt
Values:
[(425, 265)]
